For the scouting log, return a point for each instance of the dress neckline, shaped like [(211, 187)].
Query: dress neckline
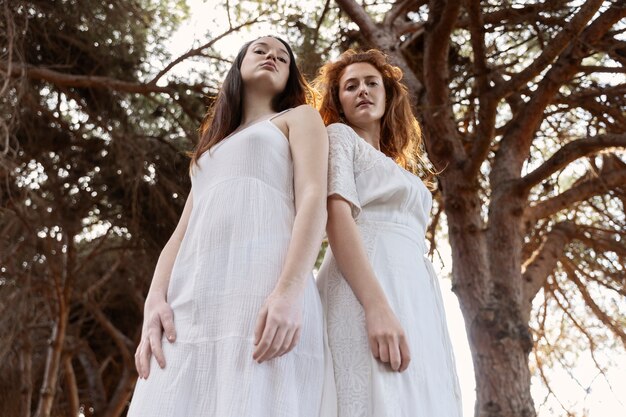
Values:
[(385, 156), (267, 119)]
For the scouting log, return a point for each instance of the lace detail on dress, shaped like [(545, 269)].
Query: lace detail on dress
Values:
[(349, 156), (345, 334), (367, 157)]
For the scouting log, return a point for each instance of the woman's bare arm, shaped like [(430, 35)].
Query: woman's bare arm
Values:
[(278, 325), (386, 336), (158, 316)]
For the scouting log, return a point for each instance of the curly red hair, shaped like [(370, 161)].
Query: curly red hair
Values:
[(400, 133)]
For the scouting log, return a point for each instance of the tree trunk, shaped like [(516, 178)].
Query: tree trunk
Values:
[(26, 375), (499, 338), (53, 362), (500, 364), (62, 292), (71, 386)]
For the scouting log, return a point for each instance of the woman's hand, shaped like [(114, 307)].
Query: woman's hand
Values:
[(278, 326), (158, 318), (387, 338)]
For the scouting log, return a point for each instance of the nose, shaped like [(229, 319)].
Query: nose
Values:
[(363, 90), (270, 55)]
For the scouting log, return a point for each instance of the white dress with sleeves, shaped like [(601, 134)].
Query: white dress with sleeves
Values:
[(391, 208)]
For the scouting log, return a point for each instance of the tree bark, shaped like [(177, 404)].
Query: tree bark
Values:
[(53, 363), (26, 376), (71, 386), (62, 293)]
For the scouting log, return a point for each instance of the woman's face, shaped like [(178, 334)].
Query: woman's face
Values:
[(362, 94), (266, 65)]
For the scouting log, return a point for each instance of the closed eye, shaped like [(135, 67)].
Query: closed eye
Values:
[(283, 60)]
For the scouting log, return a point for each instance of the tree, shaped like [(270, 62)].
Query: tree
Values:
[(522, 107), (513, 96), (84, 140)]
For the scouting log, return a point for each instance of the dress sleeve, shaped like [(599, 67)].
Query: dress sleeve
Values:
[(341, 180)]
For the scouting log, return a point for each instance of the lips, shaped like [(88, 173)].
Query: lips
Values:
[(269, 64), (363, 103)]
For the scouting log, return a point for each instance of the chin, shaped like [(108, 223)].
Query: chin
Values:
[(364, 119)]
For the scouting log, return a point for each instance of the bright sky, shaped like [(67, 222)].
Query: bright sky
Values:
[(600, 401)]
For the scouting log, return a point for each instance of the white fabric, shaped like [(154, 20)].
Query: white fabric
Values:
[(391, 207), (229, 261)]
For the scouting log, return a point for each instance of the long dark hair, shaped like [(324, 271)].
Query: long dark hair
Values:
[(225, 115)]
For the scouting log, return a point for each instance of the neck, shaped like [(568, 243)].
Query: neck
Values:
[(255, 105), (370, 132)]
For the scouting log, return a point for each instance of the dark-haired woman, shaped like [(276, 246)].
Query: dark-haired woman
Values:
[(386, 324), (233, 296)]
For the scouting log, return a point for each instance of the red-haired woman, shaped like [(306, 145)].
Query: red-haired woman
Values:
[(386, 324), (233, 292)]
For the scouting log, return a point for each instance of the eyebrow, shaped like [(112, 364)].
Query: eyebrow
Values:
[(366, 77), (265, 44)]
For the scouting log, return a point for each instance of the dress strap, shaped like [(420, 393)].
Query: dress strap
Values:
[(278, 114)]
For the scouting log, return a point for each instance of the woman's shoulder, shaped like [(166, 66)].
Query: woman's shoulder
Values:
[(341, 132), (302, 116), (340, 128), (302, 111)]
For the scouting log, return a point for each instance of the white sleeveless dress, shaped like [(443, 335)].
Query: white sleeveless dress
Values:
[(391, 208), (228, 263)]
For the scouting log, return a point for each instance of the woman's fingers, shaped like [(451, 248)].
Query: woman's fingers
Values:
[(391, 349), (387, 338), (395, 359), (265, 343), (276, 345), (144, 359), (138, 359), (284, 348), (405, 353), (294, 340), (259, 327), (158, 320), (383, 349), (167, 320), (154, 337), (374, 347), (277, 328)]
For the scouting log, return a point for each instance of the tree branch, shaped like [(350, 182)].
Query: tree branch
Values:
[(519, 134), (82, 81), (542, 262), (554, 49), (569, 153), (401, 7), (598, 108), (606, 181), (360, 17), (95, 387), (443, 144), (198, 51), (123, 390), (487, 104), (381, 39), (512, 16), (603, 240), (320, 21), (597, 311), (594, 69), (71, 386)]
